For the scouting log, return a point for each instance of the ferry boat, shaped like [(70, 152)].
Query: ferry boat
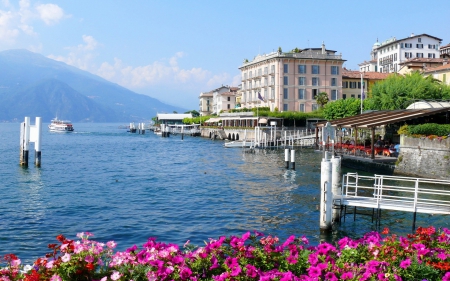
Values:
[(60, 125)]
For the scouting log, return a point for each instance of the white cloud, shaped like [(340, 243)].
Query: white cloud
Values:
[(80, 56), (50, 13), (17, 21)]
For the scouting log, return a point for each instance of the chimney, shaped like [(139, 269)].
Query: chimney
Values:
[(412, 35), (323, 47)]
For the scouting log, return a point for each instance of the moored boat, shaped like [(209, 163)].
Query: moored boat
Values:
[(60, 125)]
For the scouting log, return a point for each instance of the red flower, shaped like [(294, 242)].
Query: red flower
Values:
[(33, 276), (385, 231), (60, 238), (90, 266)]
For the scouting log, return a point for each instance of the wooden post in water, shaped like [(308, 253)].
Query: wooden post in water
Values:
[(293, 159), (286, 157)]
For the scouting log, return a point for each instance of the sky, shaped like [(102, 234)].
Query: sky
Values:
[(173, 50)]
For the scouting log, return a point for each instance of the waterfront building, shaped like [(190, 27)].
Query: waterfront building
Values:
[(445, 51), (418, 64), (217, 100), (172, 118), (391, 52), (205, 103), (289, 81), (351, 82), (441, 73)]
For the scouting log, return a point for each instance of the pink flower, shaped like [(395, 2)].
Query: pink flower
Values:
[(111, 244), (89, 258), (314, 271), (15, 262), (49, 264), (331, 276), (115, 275), (66, 257), (55, 278), (251, 271), (446, 277)]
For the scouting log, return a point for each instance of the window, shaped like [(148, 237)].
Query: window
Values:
[(344, 96), (265, 70), (250, 75), (315, 81), (314, 93), (408, 55), (250, 84), (431, 46), (334, 70), (419, 55), (264, 94), (272, 93), (352, 85), (228, 98), (419, 46), (333, 94), (401, 45), (272, 68), (333, 81), (285, 68), (285, 80), (315, 69), (228, 106), (419, 39), (315, 107), (301, 94), (345, 84), (302, 69), (359, 85), (408, 45), (301, 107), (285, 93), (301, 81), (285, 107), (431, 55)]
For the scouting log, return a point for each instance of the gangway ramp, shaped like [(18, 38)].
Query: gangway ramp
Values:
[(407, 194)]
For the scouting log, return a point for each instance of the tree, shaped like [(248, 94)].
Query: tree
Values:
[(193, 112), (397, 91), (342, 108), (322, 99)]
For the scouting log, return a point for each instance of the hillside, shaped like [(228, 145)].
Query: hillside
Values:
[(33, 85)]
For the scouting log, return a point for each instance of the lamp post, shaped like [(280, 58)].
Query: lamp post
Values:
[(362, 91)]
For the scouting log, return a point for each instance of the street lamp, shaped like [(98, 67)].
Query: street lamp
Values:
[(362, 90)]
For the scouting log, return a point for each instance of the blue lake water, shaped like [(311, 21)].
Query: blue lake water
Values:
[(128, 187)]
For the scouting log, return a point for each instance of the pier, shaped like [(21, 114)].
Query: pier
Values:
[(396, 193)]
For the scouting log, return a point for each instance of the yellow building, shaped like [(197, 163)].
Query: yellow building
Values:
[(351, 82), (441, 73)]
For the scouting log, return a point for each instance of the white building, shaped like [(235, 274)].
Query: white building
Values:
[(218, 100), (387, 55)]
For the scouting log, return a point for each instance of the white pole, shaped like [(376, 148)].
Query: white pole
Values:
[(293, 159), (37, 143), (362, 92), (286, 157), (325, 196), (336, 183)]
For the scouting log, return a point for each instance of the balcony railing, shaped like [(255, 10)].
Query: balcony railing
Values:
[(303, 55)]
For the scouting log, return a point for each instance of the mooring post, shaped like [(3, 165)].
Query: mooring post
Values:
[(336, 183), (326, 196), (293, 159), (24, 142), (37, 130), (286, 157)]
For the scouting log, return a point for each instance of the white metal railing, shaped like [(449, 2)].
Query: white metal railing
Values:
[(398, 193)]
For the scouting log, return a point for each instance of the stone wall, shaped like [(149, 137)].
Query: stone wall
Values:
[(423, 157)]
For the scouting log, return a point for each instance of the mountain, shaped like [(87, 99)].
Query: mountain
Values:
[(33, 85)]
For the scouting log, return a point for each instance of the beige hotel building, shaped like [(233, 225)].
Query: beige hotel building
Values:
[(290, 81)]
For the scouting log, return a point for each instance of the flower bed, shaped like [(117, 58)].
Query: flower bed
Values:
[(424, 255)]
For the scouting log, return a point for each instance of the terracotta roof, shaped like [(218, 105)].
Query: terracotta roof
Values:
[(413, 36), (437, 68), (423, 60), (366, 75), (445, 47)]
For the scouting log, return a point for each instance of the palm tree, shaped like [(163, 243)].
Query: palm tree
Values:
[(322, 99)]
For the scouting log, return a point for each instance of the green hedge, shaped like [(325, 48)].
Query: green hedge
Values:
[(430, 129)]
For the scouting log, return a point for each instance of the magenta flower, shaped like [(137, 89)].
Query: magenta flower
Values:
[(405, 263), (251, 271), (331, 276), (185, 273), (235, 271), (312, 259), (347, 276), (446, 277), (115, 275), (55, 278), (314, 271), (291, 259)]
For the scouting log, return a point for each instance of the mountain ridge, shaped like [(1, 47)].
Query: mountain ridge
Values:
[(56, 86)]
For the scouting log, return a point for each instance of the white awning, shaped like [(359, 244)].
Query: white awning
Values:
[(213, 120), (263, 121)]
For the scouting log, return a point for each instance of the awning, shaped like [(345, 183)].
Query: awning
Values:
[(263, 121), (213, 120)]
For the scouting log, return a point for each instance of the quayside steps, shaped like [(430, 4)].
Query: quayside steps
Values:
[(417, 195)]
